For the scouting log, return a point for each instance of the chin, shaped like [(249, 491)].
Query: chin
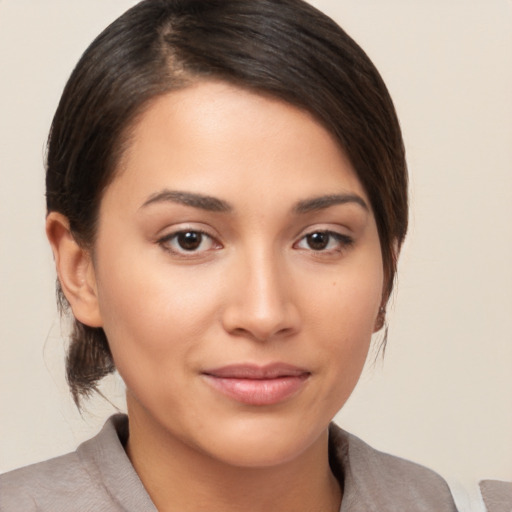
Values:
[(264, 442)]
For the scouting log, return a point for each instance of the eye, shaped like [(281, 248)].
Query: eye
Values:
[(324, 241), (188, 241)]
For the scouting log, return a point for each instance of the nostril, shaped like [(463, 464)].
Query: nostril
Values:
[(241, 324)]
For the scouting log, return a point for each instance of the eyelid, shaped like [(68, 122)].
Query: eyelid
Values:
[(336, 229), (175, 228)]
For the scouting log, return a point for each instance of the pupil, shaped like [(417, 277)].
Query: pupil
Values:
[(189, 240), (318, 241)]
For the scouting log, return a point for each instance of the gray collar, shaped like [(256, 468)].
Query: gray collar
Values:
[(372, 481)]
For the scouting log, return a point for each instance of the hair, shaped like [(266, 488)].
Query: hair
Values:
[(283, 48)]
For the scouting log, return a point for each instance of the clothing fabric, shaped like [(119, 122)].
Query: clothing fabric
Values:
[(497, 495), (99, 477)]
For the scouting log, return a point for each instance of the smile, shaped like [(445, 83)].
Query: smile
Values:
[(257, 385)]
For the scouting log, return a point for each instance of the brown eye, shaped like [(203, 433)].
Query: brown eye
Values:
[(324, 241), (189, 240), (318, 241)]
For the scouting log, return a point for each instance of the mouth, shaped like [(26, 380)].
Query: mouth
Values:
[(257, 385)]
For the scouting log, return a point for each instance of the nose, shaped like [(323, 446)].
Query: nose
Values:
[(261, 305)]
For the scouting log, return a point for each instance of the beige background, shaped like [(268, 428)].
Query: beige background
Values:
[(443, 394)]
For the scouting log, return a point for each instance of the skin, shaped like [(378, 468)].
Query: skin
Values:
[(256, 289)]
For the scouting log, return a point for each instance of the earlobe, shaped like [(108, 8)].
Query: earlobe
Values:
[(75, 270)]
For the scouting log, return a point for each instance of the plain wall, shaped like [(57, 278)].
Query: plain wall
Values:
[(442, 396)]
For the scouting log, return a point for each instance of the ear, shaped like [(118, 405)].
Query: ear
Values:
[(75, 271), (380, 320)]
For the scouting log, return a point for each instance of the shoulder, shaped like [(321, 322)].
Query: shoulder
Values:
[(65, 483), (55, 483), (374, 480), (497, 495)]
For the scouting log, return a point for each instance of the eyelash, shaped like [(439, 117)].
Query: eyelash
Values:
[(342, 242)]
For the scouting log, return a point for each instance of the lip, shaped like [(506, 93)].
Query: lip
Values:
[(257, 385)]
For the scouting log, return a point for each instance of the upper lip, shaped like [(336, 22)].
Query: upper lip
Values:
[(253, 371)]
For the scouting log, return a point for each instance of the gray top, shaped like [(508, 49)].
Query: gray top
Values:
[(497, 495), (99, 477)]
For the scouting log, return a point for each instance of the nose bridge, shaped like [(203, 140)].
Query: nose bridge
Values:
[(265, 294), (263, 305)]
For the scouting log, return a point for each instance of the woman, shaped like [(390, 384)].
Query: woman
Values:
[(226, 195)]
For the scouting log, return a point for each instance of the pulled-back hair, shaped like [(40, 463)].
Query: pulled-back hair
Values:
[(283, 48)]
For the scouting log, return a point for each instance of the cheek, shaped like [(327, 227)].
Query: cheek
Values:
[(348, 301), (156, 313), (342, 321)]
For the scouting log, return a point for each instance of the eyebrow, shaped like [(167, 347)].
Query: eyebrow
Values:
[(322, 202), (211, 204)]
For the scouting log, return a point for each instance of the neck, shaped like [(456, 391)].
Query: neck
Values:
[(179, 477)]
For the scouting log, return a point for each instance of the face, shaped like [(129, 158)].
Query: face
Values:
[(238, 272)]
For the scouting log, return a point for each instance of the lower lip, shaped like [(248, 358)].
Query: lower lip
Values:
[(258, 391)]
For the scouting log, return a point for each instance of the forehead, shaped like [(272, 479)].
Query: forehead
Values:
[(216, 138)]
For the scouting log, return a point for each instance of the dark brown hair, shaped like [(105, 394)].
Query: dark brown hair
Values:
[(283, 48)]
